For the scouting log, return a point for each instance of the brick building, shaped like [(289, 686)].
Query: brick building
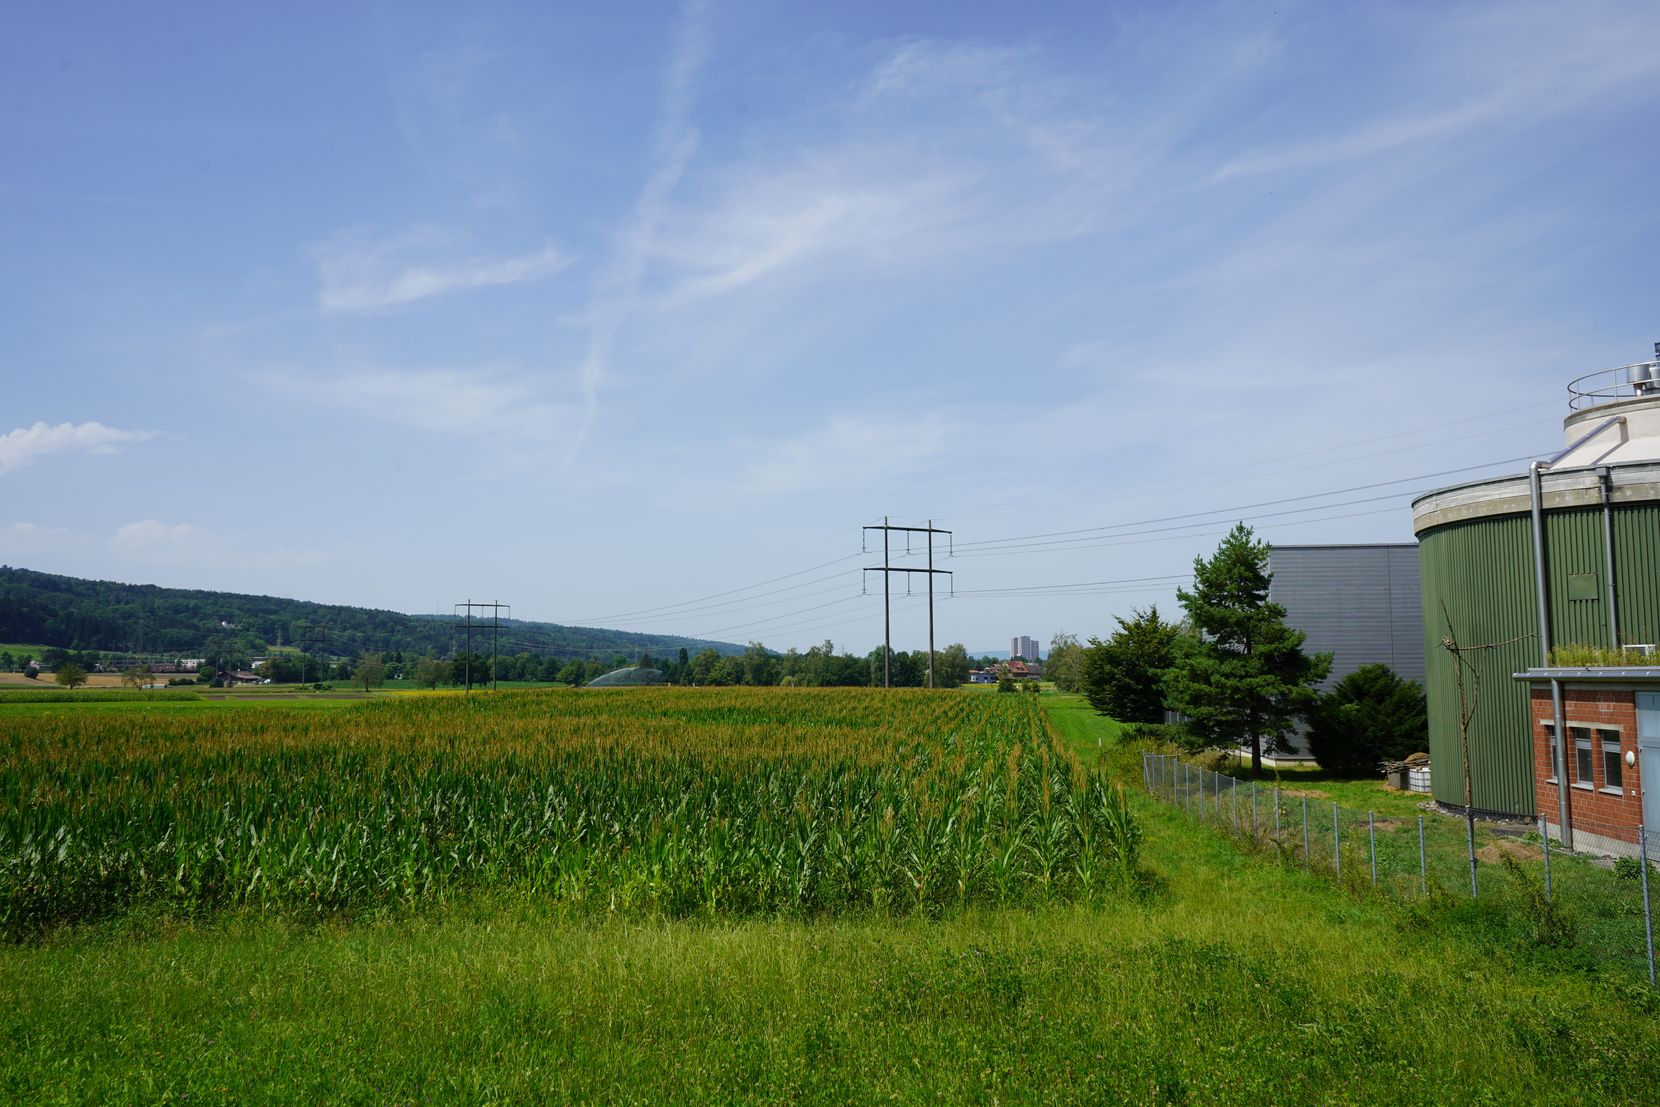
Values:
[(1612, 719)]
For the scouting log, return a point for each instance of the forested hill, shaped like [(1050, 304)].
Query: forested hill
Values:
[(51, 610)]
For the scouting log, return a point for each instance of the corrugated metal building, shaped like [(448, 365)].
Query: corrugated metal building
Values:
[(1361, 604)]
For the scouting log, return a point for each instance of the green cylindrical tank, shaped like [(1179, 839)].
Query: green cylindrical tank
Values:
[(1477, 566)]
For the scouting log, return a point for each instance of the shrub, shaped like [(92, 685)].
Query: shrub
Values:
[(1371, 716)]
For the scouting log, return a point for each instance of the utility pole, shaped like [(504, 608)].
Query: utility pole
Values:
[(309, 637), (887, 568), (466, 609)]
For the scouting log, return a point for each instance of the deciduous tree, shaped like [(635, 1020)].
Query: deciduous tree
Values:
[(69, 674), (951, 666), (371, 670), (1066, 662), (429, 671)]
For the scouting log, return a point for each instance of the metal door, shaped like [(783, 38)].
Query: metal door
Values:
[(1648, 753)]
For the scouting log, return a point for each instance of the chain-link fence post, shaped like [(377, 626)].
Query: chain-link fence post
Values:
[(1544, 836), (1372, 845), (1306, 862), (1253, 809), (1648, 916), (1336, 843), (1423, 860)]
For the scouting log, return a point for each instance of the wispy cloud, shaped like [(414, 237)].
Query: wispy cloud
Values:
[(23, 446), (152, 537), (470, 402), (357, 272), (1519, 65), (674, 142), (20, 541), (846, 451), (808, 215)]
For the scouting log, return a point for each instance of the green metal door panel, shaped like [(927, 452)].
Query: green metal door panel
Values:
[(1479, 576), (1637, 571), (1574, 542)]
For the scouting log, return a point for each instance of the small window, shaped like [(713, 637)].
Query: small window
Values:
[(1582, 755), (1550, 736), (1583, 586), (1612, 778)]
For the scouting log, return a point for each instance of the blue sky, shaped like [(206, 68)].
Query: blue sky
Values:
[(634, 316)]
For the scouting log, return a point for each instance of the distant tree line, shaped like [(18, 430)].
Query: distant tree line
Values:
[(101, 616)]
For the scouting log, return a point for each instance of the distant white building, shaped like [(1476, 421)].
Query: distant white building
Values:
[(1022, 646)]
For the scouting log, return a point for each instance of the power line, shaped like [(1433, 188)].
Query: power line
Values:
[(739, 603), (670, 608), (1206, 479), (1002, 542)]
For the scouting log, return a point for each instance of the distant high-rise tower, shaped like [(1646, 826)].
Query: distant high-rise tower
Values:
[(1022, 646)]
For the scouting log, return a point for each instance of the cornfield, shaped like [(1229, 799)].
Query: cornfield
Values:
[(678, 802)]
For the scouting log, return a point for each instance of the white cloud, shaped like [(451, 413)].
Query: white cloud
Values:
[(152, 535), (673, 144), (480, 403), (1489, 69), (21, 447), (358, 273), (19, 541), (846, 451), (809, 214)]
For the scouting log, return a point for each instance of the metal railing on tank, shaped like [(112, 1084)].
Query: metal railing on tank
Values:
[(1627, 382)]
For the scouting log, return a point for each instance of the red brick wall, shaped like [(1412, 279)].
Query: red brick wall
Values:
[(1595, 810)]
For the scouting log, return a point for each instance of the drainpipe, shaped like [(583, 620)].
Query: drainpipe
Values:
[(1557, 720), (1605, 482), (1563, 820)]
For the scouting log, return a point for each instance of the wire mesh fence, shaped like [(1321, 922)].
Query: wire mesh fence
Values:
[(1597, 874)]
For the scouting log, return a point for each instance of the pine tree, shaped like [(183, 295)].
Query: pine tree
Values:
[(1244, 679)]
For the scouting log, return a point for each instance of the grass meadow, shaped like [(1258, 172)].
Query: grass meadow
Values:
[(1221, 975)]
